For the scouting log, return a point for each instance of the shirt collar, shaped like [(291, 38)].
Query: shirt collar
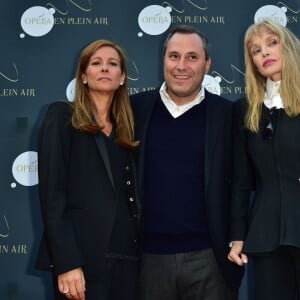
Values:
[(272, 95), (177, 110)]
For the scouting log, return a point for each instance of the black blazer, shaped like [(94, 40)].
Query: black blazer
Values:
[(77, 195), (217, 163), (271, 168)]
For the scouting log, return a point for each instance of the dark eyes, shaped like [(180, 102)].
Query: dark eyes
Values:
[(190, 57), (173, 56), (98, 63), (193, 57), (273, 42), (255, 52)]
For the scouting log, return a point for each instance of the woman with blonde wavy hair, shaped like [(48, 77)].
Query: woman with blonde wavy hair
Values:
[(267, 163), (87, 183)]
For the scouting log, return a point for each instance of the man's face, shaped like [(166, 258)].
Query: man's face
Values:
[(184, 67)]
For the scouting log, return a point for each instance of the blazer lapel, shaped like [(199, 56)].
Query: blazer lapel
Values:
[(103, 151), (141, 134), (212, 129)]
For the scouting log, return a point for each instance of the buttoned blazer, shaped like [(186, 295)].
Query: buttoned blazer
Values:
[(271, 169), (217, 169), (77, 195)]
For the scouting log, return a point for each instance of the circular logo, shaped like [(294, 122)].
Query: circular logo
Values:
[(154, 19), (37, 21), (272, 13), (70, 91), (212, 84), (25, 168)]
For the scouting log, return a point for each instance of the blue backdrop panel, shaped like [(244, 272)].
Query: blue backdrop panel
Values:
[(40, 45)]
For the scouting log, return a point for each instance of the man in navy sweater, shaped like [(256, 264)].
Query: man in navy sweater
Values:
[(184, 166)]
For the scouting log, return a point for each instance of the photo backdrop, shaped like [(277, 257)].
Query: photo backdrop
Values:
[(40, 46)]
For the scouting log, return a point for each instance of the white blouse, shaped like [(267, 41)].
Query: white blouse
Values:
[(272, 96)]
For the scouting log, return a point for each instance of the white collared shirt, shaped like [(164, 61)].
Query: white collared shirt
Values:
[(177, 110), (272, 96)]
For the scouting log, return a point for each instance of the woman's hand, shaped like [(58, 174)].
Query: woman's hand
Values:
[(235, 255), (72, 284)]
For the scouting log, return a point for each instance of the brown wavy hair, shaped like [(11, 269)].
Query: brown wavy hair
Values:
[(84, 111), (256, 83)]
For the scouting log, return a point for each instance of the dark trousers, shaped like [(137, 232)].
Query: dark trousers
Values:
[(277, 274), (120, 283), (184, 276)]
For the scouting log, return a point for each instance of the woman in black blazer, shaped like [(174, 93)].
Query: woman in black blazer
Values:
[(267, 161), (87, 183)]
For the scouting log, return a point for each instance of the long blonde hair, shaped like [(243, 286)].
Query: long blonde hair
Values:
[(84, 109), (256, 83)]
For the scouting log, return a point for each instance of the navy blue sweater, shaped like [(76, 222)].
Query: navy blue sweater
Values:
[(174, 206)]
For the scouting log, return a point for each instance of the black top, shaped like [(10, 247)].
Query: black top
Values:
[(269, 165), (124, 236)]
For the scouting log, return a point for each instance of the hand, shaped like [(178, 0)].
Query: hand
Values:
[(72, 284), (235, 255)]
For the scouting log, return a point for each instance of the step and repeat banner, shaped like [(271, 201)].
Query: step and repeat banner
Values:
[(40, 46)]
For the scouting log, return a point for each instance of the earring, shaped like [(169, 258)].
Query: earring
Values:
[(121, 83), (84, 82)]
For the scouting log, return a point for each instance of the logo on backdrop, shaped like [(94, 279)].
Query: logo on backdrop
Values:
[(154, 19), (70, 90), (212, 84), (196, 4), (25, 169), (9, 248), (84, 6), (4, 227), (37, 21), (68, 3), (13, 75), (198, 7), (272, 13), (230, 85)]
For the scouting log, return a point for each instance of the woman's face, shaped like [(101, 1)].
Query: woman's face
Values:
[(103, 73), (266, 53)]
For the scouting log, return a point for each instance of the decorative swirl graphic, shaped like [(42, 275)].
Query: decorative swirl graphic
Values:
[(4, 235), (9, 78), (86, 9), (234, 71), (136, 71), (192, 2), (290, 9)]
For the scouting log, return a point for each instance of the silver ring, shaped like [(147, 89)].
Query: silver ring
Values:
[(66, 292)]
